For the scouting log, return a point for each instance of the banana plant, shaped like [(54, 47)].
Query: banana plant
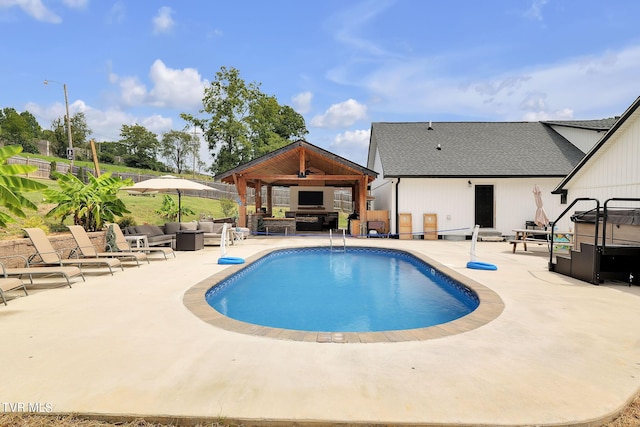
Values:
[(91, 204), (12, 185), (170, 210)]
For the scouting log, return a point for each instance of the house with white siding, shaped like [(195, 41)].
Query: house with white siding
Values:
[(603, 190), (467, 173), (611, 168)]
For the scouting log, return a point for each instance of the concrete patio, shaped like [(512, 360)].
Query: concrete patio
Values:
[(563, 352)]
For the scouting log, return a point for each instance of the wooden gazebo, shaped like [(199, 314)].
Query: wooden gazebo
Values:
[(298, 164)]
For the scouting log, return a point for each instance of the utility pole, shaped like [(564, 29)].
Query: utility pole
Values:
[(70, 154), (196, 147)]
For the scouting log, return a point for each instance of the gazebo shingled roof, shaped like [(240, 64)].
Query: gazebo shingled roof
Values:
[(299, 164)]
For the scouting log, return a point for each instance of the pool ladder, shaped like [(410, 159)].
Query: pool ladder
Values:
[(344, 242)]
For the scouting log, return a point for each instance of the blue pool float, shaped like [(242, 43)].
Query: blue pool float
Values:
[(477, 265), (230, 260)]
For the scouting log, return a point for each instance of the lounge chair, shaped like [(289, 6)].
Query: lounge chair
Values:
[(68, 272), (116, 239), (9, 284), (49, 256), (86, 249)]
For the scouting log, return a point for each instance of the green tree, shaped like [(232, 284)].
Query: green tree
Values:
[(80, 133), (12, 186), (141, 147), (35, 130), (80, 130), (91, 204), (111, 152), (244, 123), (22, 128), (177, 147), (273, 125)]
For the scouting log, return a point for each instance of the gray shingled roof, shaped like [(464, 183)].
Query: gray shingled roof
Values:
[(600, 124), (473, 149)]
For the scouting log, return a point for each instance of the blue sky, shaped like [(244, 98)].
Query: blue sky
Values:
[(341, 64)]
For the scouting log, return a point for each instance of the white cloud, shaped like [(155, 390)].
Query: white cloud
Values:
[(352, 145), (176, 88), (163, 22), (157, 123), (34, 8), (357, 139), (536, 116), (302, 102), (171, 88), (341, 115), (116, 13), (76, 4), (132, 91), (106, 124), (417, 87), (535, 11), (348, 25)]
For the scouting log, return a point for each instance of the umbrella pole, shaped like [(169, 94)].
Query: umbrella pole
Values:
[(179, 207)]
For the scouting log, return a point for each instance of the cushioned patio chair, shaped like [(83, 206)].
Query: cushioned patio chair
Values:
[(116, 239), (48, 256), (86, 249), (67, 272), (9, 284)]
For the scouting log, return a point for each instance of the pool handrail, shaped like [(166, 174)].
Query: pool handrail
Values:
[(551, 265)]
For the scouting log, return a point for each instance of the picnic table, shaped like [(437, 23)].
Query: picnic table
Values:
[(532, 236)]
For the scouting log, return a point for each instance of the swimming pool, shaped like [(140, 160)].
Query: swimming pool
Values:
[(491, 306), (360, 290)]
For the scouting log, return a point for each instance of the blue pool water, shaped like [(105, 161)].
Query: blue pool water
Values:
[(360, 290)]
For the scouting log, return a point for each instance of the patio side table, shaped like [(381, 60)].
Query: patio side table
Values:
[(189, 240)]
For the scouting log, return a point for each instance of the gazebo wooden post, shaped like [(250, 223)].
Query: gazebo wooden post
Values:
[(362, 199), (258, 188), (241, 187), (270, 199), (302, 162)]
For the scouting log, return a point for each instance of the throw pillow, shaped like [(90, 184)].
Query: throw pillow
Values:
[(155, 230), (189, 226), (206, 226), (144, 229), (171, 227)]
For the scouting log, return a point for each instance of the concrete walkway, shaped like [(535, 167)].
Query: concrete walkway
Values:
[(563, 352)]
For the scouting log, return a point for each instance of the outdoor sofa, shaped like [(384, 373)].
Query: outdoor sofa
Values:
[(165, 235)]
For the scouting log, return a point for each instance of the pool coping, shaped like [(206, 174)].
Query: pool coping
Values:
[(490, 307)]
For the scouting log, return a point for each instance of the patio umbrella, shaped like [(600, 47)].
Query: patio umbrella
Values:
[(541, 218), (167, 183)]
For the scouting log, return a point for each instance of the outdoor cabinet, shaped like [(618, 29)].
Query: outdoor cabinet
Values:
[(405, 226), (430, 223)]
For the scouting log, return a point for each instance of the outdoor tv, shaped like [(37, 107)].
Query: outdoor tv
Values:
[(310, 198)]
